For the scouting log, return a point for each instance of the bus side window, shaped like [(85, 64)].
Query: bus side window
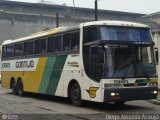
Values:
[(57, 43), (4, 52), (51, 43), (28, 48), (67, 42), (90, 34), (40, 46), (18, 49), (9, 51), (75, 39)]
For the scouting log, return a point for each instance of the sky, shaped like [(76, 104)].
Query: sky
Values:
[(135, 6)]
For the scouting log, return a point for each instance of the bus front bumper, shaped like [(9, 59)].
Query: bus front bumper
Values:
[(128, 94)]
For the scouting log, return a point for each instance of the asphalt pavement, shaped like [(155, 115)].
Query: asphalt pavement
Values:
[(42, 107), (157, 100), (158, 97)]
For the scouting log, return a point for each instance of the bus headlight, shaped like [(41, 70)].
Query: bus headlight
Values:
[(114, 94), (154, 92)]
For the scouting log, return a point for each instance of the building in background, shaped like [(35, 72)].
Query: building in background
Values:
[(19, 19), (154, 17)]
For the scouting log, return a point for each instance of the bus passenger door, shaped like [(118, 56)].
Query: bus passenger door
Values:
[(96, 71)]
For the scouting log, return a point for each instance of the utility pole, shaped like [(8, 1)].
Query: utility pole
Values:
[(57, 20), (96, 10), (74, 9)]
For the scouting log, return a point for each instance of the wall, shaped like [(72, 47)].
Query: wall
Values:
[(19, 19)]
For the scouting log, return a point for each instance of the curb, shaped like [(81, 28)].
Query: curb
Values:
[(154, 101)]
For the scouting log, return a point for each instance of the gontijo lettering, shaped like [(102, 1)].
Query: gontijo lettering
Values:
[(25, 64)]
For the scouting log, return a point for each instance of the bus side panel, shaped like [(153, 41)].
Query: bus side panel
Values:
[(31, 77), (36, 76), (8, 72), (57, 77), (5, 79), (7, 75), (47, 74), (52, 75), (26, 81), (70, 72), (91, 89)]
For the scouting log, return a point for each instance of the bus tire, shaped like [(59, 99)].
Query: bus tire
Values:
[(14, 87), (76, 95), (20, 88)]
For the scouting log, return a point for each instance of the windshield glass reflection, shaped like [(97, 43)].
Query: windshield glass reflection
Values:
[(125, 61), (125, 34)]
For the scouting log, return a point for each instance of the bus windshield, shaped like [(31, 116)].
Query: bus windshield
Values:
[(126, 61), (125, 34), (119, 59)]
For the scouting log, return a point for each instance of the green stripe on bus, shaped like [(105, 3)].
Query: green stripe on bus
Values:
[(47, 74), (56, 74)]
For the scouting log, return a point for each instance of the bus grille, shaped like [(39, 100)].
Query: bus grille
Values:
[(134, 84)]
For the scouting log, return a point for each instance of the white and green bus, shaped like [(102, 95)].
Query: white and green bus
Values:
[(101, 61)]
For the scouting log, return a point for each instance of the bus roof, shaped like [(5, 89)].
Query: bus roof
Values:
[(70, 28), (116, 23), (42, 34)]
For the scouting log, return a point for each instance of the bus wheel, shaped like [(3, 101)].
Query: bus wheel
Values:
[(14, 87), (120, 102), (76, 94), (20, 88)]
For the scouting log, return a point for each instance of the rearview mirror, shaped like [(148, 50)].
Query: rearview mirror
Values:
[(157, 55)]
